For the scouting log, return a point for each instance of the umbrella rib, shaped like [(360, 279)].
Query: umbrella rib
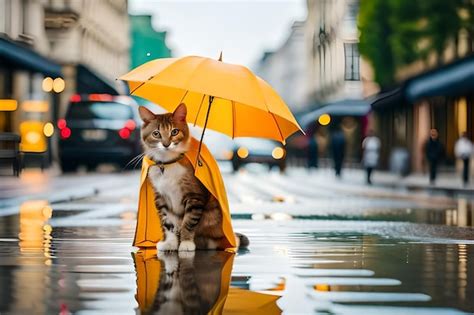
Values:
[(278, 126), (140, 85), (199, 110), (233, 119), (182, 98)]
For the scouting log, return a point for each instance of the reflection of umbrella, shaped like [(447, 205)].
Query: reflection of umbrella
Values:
[(228, 301), (248, 302), (242, 103)]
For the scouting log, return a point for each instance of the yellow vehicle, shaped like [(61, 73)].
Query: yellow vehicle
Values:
[(35, 130)]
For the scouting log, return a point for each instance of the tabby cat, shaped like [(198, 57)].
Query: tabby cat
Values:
[(190, 216), (189, 283)]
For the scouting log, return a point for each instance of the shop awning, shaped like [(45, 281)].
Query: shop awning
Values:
[(347, 107), (21, 57), (90, 82), (453, 79), (387, 99)]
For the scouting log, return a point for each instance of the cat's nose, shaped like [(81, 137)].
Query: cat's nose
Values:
[(166, 144)]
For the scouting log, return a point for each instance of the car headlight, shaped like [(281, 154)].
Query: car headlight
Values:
[(278, 153), (243, 152)]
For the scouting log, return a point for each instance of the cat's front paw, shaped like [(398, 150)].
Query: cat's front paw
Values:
[(167, 245), (187, 246), (170, 261)]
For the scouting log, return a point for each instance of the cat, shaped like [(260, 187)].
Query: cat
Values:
[(190, 215), (189, 283)]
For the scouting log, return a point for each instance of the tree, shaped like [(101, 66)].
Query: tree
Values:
[(373, 44), (395, 33)]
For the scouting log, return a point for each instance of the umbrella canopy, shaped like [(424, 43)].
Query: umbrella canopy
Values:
[(243, 105)]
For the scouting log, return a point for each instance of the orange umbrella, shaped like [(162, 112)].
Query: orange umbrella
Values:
[(243, 105)]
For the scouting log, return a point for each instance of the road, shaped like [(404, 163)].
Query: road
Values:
[(321, 245)]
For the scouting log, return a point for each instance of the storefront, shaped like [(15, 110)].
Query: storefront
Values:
[(440, 98)]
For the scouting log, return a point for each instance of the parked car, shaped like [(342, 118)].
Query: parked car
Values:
[(220, 145), (254, 150), (99, 128)]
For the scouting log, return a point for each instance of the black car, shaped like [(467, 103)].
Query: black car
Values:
[(99, 128), (253, 150)]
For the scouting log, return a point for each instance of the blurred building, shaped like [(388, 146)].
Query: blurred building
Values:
[(50, 50), (91, 40), (337, 78), (24, 62), (428, 95), (146, 42), (285, 68), (333, 58)]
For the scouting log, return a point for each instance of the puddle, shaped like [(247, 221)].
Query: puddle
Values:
[(371, 264), (460, 216)]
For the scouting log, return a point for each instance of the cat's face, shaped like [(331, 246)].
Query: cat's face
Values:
[(164, 136)]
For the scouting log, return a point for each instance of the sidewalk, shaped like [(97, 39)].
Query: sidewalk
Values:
[(447, 183), (53, 186)]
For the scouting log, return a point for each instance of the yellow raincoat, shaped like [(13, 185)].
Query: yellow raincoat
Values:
[(148, 231), (231, 300)]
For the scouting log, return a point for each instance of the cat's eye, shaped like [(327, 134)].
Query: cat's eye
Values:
[(174, 132), (156, 134)]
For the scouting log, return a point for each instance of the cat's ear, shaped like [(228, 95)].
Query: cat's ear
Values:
[(180, 112), (145, 114)]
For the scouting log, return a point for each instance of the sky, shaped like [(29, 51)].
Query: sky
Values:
[(241, 29)]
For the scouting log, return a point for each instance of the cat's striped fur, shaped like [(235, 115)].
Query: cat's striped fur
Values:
[(191, 217)]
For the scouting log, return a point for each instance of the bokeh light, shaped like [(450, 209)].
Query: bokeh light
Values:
[(58, 85), (47, 85), (48, 129), (242, 152), (324, 119)]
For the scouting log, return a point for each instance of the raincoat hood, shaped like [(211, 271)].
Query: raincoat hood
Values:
[(148, 231)]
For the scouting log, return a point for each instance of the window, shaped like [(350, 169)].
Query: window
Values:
[(102, 110), (351, 53)]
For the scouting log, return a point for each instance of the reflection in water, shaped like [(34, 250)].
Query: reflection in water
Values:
[(30, 272), (461, 215), (194, 283), (35, 233)]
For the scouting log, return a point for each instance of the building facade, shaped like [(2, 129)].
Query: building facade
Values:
[(429, 95), (333, 60), (51, 49), (285, 68), (24, 60), (91, 41)]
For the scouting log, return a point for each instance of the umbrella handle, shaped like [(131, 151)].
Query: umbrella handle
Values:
[(211, 99)]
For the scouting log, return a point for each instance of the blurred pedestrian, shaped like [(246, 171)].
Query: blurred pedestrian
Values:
[(312, 152), (434, 151), (371, 147), (463, 151), (338, 147)]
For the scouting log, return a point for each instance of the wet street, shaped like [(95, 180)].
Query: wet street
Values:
[(318, 246)]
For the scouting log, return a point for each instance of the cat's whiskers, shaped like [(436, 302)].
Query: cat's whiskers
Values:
[(138, 161), (138, 158)]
